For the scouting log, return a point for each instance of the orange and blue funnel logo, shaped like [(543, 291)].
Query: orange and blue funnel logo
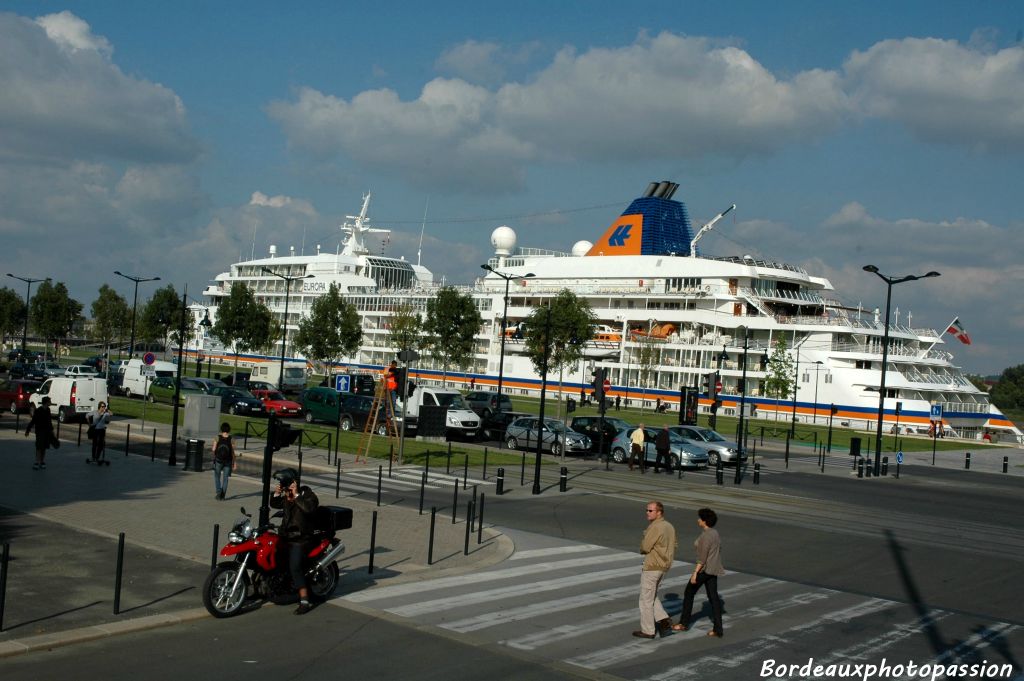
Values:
[(650, 226), (622, 238)]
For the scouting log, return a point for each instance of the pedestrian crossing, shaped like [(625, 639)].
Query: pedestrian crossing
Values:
[(576, 604), (402, 481)]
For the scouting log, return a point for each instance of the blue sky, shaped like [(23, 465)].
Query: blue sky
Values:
[(153, 137)]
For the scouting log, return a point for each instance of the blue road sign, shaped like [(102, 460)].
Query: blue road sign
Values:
[(341, 383), (936, 411), (899, 457)]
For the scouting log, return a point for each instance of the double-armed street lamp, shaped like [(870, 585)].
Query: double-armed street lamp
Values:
[(504, 320), (284, 325), (889, 283), (135, 302), (28, 298)]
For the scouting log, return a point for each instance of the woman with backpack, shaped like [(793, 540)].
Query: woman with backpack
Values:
[(223, 460)]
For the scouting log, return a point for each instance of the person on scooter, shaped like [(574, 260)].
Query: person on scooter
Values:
[(298, 504)]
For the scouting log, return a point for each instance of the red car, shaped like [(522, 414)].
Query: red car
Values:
[(277, 404), (14, 394)]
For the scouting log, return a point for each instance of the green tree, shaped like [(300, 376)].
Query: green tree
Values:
[(648, 354), (405, 328), (571, 326), (160, 315), (111, 317), (12, 313), (242, 321), (780, 377), (1008, 392), (331, 331), (54, 312), (451, 326)]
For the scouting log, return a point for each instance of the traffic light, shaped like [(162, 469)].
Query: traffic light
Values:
[(835, 410), (598, 384), (282, 435), (707, 384), (715, 379)]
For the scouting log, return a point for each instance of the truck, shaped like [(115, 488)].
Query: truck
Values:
[(136, 377), (460, 420), (294, 375)]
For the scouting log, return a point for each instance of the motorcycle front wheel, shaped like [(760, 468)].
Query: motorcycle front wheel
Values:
[(323, 582), (217, 595)]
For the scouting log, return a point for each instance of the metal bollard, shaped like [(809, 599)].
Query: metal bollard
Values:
[(469, 526), (455, 500), (127, 439), (1006, 463), (448, 466), (563, 479), (885, 466), (465, 471), (897, 470), (380, 479), (480, 522), (860, 467), (430, 545), (373, 543), (499, 486), (216, 540), (718, 473), (117, 576), (868, 468), (522, 471), (423, 485), (757, 474), (5, 558), (337, 479), (739, 472), (79, 434), (967, 461), (152, 447)]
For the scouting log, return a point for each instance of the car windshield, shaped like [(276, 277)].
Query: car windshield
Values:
[(234, 392), (274, 395), (190, 385), (710, 435), (556, 426), (452, 400), (294, 373)]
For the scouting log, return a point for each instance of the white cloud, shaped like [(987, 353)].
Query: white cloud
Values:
[(472, 61), (282, 201), (943, 91), (71, 33)]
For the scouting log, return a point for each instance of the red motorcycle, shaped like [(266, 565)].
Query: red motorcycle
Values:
[(259, 569)]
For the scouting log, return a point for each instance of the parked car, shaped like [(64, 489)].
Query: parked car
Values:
[(239, 402), (97, 362), (681, 453), (524, 432), (80, 370), (49, 369), (162, 390), (321, 404), (591, 427), (208, 384), (277, 404), (485, 403), (70, 396), (355, 412), (493, 427), (259, 386), (717, 447), (13, 355), (15, 392), (19, 370)]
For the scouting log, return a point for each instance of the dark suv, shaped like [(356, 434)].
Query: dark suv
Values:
[(493, 427), (485, 403), (355, 412), (591, 426)]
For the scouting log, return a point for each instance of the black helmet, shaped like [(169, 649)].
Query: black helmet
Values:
[(286, 476)]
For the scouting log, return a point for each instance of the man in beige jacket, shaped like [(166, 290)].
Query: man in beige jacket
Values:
[(659, 549)]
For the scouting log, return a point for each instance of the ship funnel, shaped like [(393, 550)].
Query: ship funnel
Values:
[(663, 186), (291, 250), (650, 190), (273, 250), (318, 249), (671, 191)]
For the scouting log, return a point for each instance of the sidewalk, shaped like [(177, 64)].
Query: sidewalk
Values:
[(64, 523)]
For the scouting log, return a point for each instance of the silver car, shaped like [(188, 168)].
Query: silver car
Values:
[(717, 447), (681, 453), (523, 433)]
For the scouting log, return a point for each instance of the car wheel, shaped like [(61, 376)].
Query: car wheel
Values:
[(673, 462), (345, 423), (233, 410), (556, 449), (151, 398), (309, 417), (382, 429), (713, 459), (128, 393), (14, 407), (619, 455), (512, 443)]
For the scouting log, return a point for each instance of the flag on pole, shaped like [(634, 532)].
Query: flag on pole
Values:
[(957, 329)]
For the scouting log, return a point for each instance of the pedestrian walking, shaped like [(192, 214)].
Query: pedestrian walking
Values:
[(659, 549), (42, 423), (618, 402), (636, 449), (224, 460), (662, 445), (706, 572), (98, 421)]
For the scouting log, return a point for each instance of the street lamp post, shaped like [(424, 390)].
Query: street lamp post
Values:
[(796, 384), (284, 326), (172, 459), (543, 392), (28, 297), (743, 394), (135, 301), (504, 320), (817, 373), (889, 283)]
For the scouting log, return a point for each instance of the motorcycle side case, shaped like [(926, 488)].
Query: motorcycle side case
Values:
[(332, 518)]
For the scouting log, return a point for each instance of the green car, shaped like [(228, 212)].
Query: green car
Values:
[(162, 390), (321, 404)]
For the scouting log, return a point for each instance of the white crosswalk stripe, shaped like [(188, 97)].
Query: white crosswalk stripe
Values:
[(576, 604)]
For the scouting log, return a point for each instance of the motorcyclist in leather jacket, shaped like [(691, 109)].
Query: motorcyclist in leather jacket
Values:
[(298, 504)]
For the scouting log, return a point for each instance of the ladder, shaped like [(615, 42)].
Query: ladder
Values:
[(381, 403)]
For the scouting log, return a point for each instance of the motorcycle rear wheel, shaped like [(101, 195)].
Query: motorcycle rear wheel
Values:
[(323, 582), (217, 596)]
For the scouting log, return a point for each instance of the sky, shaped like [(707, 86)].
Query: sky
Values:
[(173, 139)]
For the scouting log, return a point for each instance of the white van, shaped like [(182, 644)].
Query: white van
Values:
[(70, 397), (461, 419), (294, 375), (135, 383)]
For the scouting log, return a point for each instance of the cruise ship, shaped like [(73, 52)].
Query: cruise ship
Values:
[(648, 284)]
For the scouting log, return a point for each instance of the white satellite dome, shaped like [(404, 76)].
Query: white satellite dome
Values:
[(581, 248), (504, 240)]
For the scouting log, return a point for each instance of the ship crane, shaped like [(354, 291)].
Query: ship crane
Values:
[(707, 228), (354, 244)]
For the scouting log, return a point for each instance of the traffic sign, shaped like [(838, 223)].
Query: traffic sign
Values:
[(936, 411), (341, 383), (899, 457), (718, 386), (148, 371), (149, 359), (607, 385)]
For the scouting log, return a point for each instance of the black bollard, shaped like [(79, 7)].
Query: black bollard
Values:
[(448, 466), (430, 544), (897, 469), (127, 439), (1006, 463), (718, 473), (455, 500), (757, 474), (423, 486), (337, 479), (522, 471), (868, 469), (860, 468), (739, 472), (380, 479), (480, 522), (563, 479), (117, 576), (885, 466), (967, 461), (485, 463), (465, 471), (499, 486), (199, 455), (5, 558), (152, 447), (373, 542), (79, 434), (469, 525), (216, 540)]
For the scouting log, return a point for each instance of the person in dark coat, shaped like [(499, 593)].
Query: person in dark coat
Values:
[(298, 504), (662, 445), (42, 423)]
